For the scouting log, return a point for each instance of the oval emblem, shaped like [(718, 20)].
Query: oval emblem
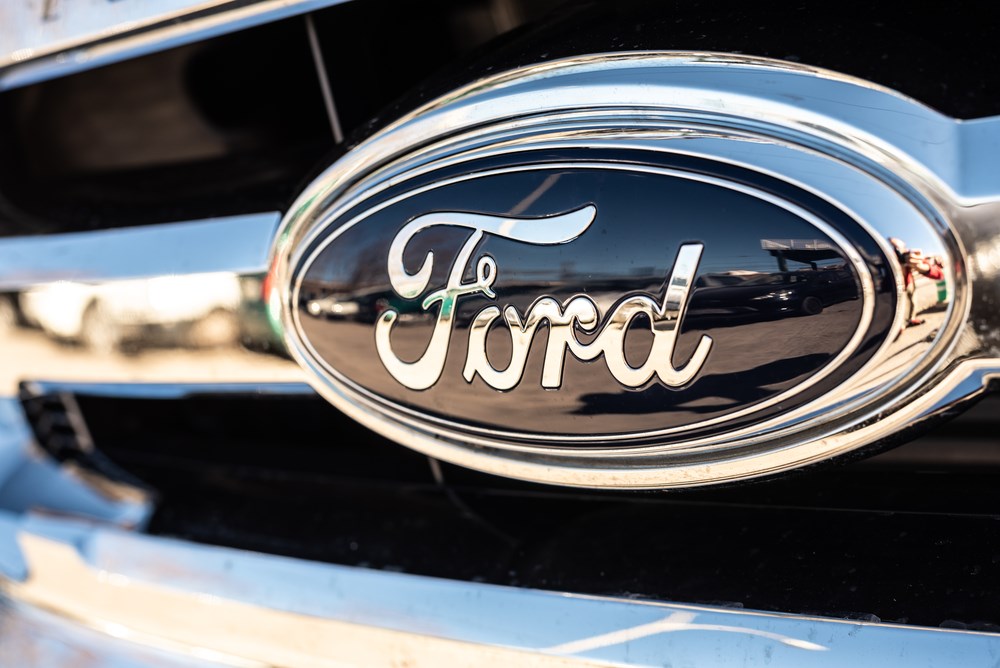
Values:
[(601, 300), (616, 299)]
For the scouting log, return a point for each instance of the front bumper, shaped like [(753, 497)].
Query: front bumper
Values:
[(124, 598)]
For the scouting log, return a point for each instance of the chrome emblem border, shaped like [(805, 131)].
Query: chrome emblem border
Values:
[(859, 147)]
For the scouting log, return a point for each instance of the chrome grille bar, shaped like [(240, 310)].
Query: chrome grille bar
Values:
[(38, 42), (176, 303), (236, 244)]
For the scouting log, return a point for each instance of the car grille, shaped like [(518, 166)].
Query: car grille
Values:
[(138, 351)]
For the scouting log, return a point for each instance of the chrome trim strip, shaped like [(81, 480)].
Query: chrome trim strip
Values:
[(147, 284), (236, 244), (250, 609), (33, 637), (170, 390), (40, 44)]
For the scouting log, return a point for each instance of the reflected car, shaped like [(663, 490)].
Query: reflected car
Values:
[(197, 309), (756, 295)]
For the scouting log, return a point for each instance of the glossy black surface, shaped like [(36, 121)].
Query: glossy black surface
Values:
[(776, 317)]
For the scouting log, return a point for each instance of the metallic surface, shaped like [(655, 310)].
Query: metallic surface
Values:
[(170, 303), (234, 245), (45, 40), (40, 638), (31, 481), (864, 150), (169, 595)]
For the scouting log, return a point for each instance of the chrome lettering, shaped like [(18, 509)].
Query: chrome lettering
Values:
[(579, 312)]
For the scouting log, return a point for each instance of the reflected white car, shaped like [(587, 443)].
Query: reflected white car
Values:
[(103, 316)]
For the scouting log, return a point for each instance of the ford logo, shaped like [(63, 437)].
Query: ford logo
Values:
[(563, 319), (596, 299), (604, 300)]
